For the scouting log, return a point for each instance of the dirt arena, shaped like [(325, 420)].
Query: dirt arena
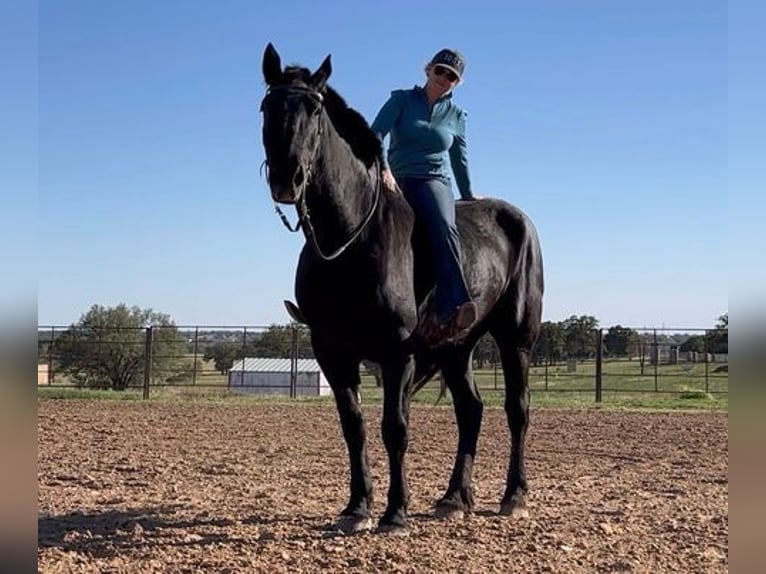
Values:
[(216, 487)]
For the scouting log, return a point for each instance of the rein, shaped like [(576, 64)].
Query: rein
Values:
[(304, 219), (312, 235)]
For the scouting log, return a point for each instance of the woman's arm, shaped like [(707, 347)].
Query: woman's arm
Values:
[(458, 155)]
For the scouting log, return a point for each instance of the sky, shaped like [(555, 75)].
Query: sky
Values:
[(606, 122)]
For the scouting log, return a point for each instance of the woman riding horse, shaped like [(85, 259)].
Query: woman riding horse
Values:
[(355, 285)]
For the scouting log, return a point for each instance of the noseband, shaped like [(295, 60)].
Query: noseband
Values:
[(303, 211)]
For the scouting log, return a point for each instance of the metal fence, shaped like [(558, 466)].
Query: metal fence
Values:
[(209, 357)]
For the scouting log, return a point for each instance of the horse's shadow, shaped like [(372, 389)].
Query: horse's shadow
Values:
[(107, 533)]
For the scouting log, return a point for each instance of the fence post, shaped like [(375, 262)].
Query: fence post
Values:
[(148, 360), (656, 355), (707, 361), (50, 356), (244, 356), (294, 364), (599, 365), (196, 349)]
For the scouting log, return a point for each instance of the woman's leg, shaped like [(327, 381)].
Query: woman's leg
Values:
[(433, 202)]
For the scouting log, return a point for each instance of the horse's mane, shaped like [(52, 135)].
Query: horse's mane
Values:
[(349, 123)]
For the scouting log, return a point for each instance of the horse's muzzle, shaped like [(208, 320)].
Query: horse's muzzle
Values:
[(289, 191), (287, 197)]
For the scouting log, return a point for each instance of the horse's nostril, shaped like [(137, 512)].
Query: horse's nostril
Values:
[(298, 177)]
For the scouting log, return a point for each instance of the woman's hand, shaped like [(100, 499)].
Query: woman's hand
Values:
[(389, 182)]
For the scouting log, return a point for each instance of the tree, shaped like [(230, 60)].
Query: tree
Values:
[(580, 335), (106, 348), (550, 344), (645, 342), (718, 341), (695, 343), (621, 341), (715, 340), (485, 351), (274, 342), (223, 354), (277, 341)]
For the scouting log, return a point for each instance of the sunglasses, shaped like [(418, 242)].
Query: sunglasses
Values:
[(442, 71)]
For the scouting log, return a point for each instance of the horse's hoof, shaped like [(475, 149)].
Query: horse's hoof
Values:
[(514, 509), (393, 530), (446, 512), (354, 524)]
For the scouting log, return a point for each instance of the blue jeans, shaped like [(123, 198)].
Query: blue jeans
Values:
[(434, 206)]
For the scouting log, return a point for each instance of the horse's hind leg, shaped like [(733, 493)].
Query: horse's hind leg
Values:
[(458, 376), (343, 377), (515, 361)]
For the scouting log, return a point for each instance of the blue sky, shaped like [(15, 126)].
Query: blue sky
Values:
[(605, 121)]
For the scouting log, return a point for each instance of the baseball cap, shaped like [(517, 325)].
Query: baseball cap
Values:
[(450, 59)]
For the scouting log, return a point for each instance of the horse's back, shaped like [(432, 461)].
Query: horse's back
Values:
[(483, 222)]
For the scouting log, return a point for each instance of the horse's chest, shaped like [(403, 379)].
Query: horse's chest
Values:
[(329, 295), (353, 300)]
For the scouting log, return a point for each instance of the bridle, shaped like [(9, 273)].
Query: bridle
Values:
[(303, 212)]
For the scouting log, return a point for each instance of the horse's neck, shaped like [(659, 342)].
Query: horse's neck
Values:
[(344, 192)]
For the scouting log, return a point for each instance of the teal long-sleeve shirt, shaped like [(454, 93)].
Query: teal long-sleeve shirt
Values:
[(421, 137)]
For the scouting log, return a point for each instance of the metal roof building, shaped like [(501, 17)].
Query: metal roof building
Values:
[(259, 375)]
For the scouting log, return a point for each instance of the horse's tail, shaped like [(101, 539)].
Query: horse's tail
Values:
[(425, 369), (423, 374)]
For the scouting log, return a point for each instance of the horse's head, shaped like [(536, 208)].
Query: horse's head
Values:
[(292, 119)]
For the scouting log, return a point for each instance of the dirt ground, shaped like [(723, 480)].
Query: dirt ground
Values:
[(215, 487)]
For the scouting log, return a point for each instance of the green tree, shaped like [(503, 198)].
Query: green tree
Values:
[(694, 343), (223, 354), (44, 343), (485, 351), (621, 341), (580, 334), (718, 338), (277, 341), (274, 342), (106, 348), (550, 344), (715, 340)]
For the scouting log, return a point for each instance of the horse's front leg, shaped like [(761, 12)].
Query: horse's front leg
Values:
[(343, 377), (397, 374)]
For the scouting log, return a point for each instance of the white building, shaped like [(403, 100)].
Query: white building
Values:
[(273, 377)]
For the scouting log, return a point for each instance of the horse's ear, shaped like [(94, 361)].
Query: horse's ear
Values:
[(272, 66), (320, 77)]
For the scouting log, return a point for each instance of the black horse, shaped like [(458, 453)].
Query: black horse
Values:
[(357, 289)]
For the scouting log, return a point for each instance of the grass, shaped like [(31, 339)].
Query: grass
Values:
[(681, 386), (691, 400), (56, 392)]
